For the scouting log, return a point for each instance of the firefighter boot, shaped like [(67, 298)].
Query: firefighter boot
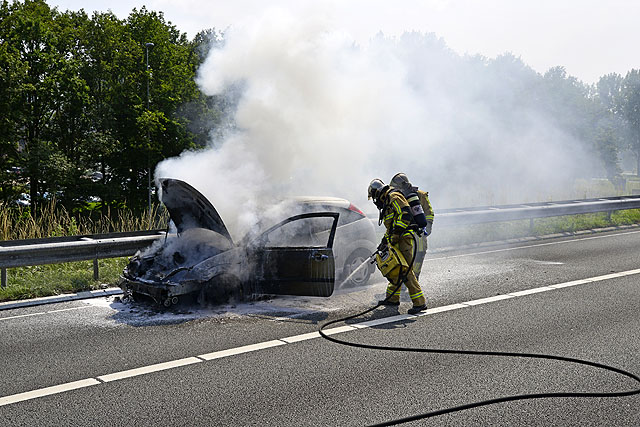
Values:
[(393, 296), (389, 303), (417, 308)]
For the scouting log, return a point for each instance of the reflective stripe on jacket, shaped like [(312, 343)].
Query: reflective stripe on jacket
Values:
[(426, 205), (396, 215)]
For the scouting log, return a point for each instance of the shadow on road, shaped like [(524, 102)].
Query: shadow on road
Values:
[(383, 312)]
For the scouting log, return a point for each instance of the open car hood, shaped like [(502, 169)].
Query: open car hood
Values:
[(188, 208)]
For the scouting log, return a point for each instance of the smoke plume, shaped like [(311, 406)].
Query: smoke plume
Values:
[(322, 115)]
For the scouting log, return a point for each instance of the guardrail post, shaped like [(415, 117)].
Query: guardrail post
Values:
[(3, 280), (95, 269)]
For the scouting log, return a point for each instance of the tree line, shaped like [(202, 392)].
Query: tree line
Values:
[(601, 120), (76, 120), (89, 104)]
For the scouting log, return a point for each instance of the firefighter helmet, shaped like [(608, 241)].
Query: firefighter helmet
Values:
[(401, 182), (376, 189)]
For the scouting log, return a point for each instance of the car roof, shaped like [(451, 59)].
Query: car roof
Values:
[(321, 200)]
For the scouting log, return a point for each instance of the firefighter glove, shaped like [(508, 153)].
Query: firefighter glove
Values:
[(394, 239), (427, 229)]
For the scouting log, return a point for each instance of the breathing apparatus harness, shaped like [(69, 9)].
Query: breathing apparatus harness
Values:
[(379, 254), (419, 220)]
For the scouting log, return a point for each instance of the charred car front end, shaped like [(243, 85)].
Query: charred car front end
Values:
[(293, 257), (164, 274)]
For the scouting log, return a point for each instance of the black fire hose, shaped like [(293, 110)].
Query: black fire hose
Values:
[(487, 402)]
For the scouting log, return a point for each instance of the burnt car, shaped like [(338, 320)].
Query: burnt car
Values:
[(299, 255)]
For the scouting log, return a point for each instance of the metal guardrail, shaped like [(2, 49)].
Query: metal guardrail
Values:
[(18, 253), (55, 250), (486, 214), (530, 211)]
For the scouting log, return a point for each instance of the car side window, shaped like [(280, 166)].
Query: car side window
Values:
[(347, 217), (305, 232)]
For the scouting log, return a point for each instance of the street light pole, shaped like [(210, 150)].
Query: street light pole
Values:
[(147, 46)]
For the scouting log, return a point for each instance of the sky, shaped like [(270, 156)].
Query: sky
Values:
[(589, 38)]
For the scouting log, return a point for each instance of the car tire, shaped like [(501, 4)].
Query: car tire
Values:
[(355, 260)]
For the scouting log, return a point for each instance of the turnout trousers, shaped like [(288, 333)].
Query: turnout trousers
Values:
[(415, 292)]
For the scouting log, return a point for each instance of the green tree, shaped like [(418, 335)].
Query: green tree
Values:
[(148, 132), (31, 33), (206, 116), (585, 112), (608, 90), (615, 128), (111, 57), (11, 70), (629, 105), (74, 109)]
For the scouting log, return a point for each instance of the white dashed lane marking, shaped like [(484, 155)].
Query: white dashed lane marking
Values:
[(240, 350), (7, 400), (14, 398), (148, 369)]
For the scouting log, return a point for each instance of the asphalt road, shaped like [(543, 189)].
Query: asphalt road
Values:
[(88, 348)]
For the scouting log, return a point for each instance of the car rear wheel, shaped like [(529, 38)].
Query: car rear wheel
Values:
[(353, 262)]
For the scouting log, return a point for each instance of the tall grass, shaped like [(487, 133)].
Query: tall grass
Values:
[(53, 220)]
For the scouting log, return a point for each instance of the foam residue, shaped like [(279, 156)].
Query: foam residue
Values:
[(281, 308)]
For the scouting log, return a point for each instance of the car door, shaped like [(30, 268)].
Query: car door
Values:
[(295, 257)]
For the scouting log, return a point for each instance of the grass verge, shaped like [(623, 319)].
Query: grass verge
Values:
[(46, 280)]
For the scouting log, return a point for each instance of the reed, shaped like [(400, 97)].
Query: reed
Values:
[(53, 219)]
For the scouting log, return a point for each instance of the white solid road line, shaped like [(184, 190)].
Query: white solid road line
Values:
[(7, 400)]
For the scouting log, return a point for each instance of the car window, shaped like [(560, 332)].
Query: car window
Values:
[(347, 217), (304, 232)]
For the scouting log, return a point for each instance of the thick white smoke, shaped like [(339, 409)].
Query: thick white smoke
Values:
[(321, 115)]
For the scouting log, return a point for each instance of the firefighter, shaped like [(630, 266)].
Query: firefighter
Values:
[(414, 195), (396, 216)]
